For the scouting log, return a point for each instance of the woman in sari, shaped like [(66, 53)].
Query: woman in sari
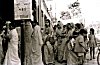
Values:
[(12, 57), (37, 42)]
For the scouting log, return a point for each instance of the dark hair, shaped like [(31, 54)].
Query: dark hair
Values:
[(13, 24), (58, 21), (78, 25), (83, 31), (75, 33), (92, 30), (34, 23), (55, 26), (64, 26), (42, 29), (47, 20), (58, 26), (68, 25)]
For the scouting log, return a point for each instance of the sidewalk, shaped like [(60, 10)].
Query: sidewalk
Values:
[(93, 61), (87, 62)]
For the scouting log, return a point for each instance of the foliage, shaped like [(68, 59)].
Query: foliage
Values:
[(73, 10)]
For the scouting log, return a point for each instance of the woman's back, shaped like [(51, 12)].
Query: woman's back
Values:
[(91, 40), (14, 35)]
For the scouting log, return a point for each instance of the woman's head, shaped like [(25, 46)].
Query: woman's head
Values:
[(47, 23), (83, 32), (12, 25), (77, 26), (54, 28), (58, 26), (75, 34), (64, 26), (91, 31), (68, 26), (52, 40), (82, 26), (34, 23)]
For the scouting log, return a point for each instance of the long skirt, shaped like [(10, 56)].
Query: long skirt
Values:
[(71, 56), (12, 57), (60, 50)]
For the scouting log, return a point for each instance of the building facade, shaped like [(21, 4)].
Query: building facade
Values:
[(42, 13)]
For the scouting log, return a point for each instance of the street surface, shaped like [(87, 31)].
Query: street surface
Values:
[(87, 62)]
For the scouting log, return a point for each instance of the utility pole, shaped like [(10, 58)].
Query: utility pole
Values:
[(23, 12), (22, 42)]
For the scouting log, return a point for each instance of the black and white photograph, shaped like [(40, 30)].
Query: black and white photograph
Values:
[(49, 32)]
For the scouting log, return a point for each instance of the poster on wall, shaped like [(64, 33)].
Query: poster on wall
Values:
[(22, 9)]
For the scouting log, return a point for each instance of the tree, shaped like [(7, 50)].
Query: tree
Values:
[(74, 10), (65, 15)]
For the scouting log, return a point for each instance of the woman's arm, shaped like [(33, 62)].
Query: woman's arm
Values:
[(95, 40)]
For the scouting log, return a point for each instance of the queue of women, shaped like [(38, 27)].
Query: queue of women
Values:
[(67, 44)]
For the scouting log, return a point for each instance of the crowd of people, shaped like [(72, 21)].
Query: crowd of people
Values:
[(9, 45), (67, 44)]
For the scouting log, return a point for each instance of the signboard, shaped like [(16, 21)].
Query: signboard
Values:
[(49, 0), (22, 9)]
